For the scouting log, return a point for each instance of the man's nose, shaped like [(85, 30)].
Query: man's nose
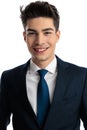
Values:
[(40, 39)]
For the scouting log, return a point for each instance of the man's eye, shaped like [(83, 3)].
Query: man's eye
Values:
[(47, 33), (31, 33)]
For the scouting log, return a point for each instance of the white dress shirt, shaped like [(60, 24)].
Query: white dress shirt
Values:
[(32, 79)]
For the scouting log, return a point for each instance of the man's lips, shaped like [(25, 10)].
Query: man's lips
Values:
[(40, 50)]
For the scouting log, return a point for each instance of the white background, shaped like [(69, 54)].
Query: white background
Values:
[(73, 26)]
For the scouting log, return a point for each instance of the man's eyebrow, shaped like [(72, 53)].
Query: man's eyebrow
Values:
[(46, 29), (31, 30)]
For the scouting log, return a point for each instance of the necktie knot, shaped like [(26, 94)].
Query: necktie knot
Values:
[(42, 72)]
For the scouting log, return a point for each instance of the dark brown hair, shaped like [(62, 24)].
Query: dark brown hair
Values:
[(39, 9)]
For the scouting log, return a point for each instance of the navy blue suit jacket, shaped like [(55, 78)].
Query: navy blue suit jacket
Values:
[(69, 103)]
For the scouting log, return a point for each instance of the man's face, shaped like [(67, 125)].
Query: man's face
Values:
[(41, 38)]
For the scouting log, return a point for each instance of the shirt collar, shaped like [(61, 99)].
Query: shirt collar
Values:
[(52, 67)]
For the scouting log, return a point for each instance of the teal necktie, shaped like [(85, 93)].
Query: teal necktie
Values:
[(43, 101)]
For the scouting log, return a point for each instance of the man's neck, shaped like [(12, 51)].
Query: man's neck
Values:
[(43, 63)]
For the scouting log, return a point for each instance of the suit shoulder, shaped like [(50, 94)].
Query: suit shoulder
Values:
[(15, 71), (71, 66), (76, 69)]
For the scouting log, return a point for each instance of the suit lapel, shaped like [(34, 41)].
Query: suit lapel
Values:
[(22, 84), (54, 119), (23, 94)]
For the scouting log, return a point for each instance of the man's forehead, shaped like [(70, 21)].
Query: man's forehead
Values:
[(42, 24), (40, 21)]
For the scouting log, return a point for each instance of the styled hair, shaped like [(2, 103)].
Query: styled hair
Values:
[(39, 9)]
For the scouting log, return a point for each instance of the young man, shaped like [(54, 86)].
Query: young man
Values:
[(66, 83)]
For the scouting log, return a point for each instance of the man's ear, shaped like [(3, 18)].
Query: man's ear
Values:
[(24, 35), (58, 35)]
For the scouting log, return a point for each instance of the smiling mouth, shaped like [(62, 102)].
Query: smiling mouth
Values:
[(40, 50)]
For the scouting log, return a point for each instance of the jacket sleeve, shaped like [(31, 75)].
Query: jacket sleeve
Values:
[(4, 104), (84, 105)]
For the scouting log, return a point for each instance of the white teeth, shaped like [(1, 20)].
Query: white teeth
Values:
[(40, 50)]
